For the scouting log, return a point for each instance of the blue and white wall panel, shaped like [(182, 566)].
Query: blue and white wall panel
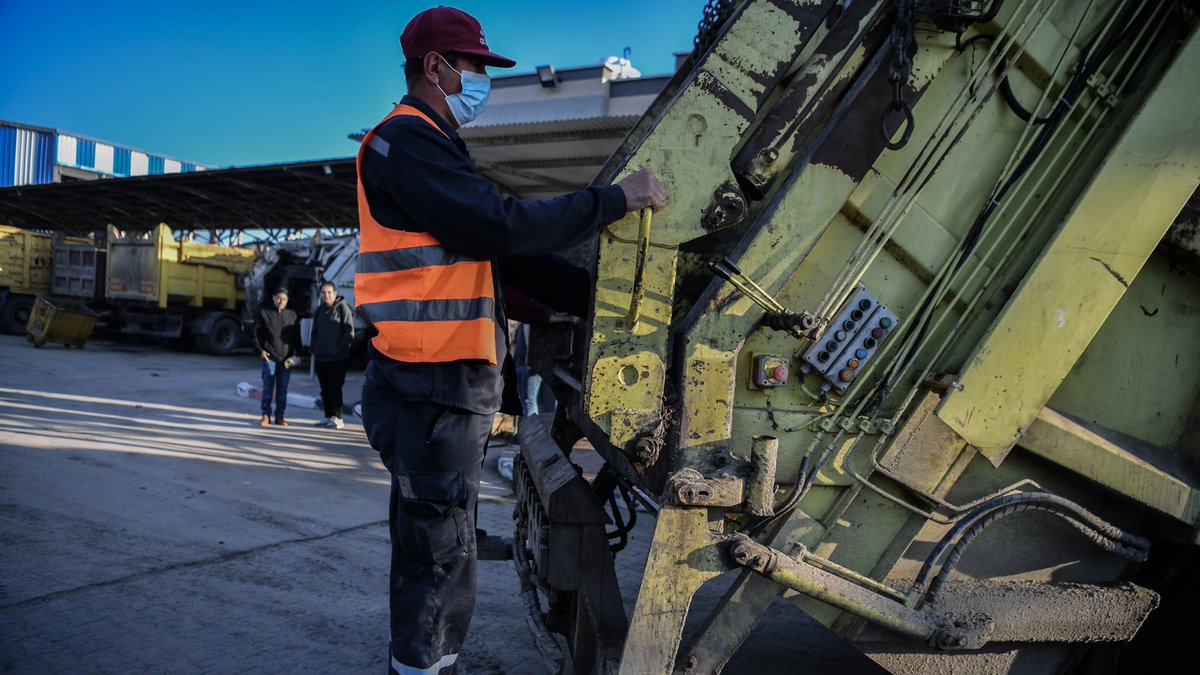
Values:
[(26, 156), (68, 150), (139, 164), (82, 153)]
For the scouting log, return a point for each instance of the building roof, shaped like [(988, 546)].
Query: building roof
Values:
[(318, 194)]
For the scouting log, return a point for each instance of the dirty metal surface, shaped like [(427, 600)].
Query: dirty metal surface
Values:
[(1072, 289), (1055, 612)]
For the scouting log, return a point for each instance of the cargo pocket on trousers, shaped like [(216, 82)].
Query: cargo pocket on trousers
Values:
[(433, 504)]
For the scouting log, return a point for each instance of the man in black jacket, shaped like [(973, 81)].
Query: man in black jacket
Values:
[(277, 337), (332, 335)]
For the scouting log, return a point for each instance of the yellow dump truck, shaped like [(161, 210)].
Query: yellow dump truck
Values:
[(914, 344), (27, 271), (158, 286)]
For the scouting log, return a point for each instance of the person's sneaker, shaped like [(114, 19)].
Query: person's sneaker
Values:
[(279, 421), (265, 421), (325, 423), (336, 422)]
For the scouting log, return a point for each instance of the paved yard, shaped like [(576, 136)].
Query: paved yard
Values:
[(148, 524)]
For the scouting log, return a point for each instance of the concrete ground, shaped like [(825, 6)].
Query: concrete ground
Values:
[(147, 523)]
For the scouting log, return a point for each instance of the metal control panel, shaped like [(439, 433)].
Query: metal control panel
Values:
[(851, 339)]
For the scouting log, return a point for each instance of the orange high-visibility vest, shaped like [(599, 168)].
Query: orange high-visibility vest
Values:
[(429, 305)]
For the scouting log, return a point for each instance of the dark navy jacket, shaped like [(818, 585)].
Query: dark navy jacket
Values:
[(417, 179), (332, 331), (277, 333)]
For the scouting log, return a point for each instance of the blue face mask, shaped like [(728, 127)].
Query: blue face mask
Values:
[(470, 102)]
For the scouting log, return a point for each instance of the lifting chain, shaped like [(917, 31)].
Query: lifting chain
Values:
[(716, 13), (899, 71)]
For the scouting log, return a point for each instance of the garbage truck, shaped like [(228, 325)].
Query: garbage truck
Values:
[(914, 345), (208, 295), (38, 263), (179, 290)]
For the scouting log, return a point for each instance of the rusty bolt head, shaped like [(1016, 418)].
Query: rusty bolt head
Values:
[(770, 155), (645, 450), (740, 554), (727, 208)]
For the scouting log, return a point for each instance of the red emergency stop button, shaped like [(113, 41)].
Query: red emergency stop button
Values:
[(846, 375), (779, 373)]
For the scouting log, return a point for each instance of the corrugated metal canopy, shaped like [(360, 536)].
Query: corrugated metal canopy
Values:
[(279, 196)]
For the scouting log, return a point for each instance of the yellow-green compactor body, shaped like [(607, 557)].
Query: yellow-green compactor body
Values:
[(915, 342)]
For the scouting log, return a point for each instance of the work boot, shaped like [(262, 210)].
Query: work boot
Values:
[(336, 422), (265, 421), (280, 422)]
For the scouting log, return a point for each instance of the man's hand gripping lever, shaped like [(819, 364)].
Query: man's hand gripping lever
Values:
[(642, 189)]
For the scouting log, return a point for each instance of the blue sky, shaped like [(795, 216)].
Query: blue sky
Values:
[(237, 83)]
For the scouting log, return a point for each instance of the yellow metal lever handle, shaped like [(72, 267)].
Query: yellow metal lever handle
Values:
[(639, 274)]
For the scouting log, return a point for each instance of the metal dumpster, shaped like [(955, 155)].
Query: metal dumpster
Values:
[(64, 321)]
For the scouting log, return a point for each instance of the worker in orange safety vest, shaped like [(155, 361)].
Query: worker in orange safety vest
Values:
[(438, 244)]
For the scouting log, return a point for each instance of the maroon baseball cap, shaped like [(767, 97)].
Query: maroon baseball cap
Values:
[(445, 29)]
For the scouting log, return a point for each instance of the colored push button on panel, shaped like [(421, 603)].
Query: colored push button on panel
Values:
[(885, 323), (860, 353), (846, 375), (878, 333), (769, 372), (853, 363)]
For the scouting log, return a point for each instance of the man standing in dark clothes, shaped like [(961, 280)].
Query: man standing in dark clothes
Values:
[(277, 336), (332, 335), (437, 244)]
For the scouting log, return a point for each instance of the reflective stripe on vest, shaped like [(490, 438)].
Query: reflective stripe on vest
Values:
[(429, 305)]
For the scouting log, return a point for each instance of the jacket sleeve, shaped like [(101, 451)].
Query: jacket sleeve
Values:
[(291, 336), (316, 328), (429, 182), (347, 325), (259, 340)]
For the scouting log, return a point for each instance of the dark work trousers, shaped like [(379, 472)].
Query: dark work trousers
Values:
[(332, 376), (434, 453)]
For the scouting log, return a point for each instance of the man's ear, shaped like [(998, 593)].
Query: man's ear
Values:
[(432, 63)]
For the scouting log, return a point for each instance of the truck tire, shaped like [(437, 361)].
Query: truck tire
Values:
[(223, 336), (15, 313)]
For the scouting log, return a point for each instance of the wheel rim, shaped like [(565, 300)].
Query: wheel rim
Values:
[(224, 337)]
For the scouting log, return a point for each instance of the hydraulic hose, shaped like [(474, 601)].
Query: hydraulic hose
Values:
[(952, 558), (961, 535)]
